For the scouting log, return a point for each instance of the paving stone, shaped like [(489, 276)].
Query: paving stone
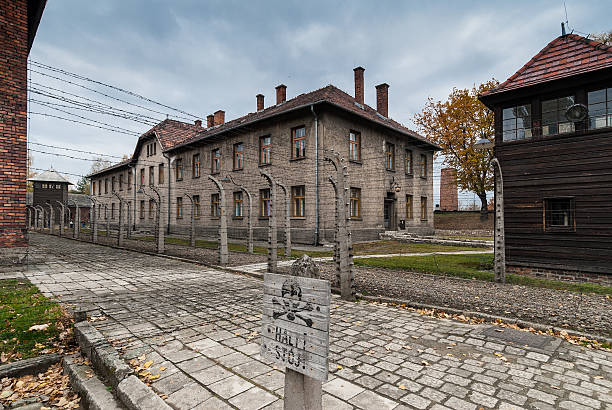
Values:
[(331, 402), (195, 365), (230, 386), (251, 369), (213, 403), (188, 396), (211, 375), (482, 399), (253, 399), (342, 388), (171, 383), (371, 400), (542, 396), (458, 404), (416, 401), (587, 401)]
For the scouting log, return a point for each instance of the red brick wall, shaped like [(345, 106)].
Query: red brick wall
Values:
[(13, 143), (448, 190), (561, 274)]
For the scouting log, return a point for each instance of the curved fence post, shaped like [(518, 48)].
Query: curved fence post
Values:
[(51, 215), (223, 248), (120, 226), (287, 219), (40, 218), (129, 221), (62, 218), (93, 217), (272, 234), (192, 222), (77, 219), (159, 230)]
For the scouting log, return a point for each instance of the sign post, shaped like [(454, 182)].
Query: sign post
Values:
[(295, 334)]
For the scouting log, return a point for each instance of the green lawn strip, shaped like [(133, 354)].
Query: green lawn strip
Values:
[(478, 266), (22, 306), (474, 238)]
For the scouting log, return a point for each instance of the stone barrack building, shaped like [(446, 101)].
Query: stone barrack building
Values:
[(390, 168)]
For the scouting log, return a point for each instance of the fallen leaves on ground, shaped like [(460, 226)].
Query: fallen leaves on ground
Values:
[(52, 388), (143, 369)]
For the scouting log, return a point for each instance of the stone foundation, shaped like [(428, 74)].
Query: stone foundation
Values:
[(15, 256), (561, 274)]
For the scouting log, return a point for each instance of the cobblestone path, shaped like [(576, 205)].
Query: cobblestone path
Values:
[(202, 325)]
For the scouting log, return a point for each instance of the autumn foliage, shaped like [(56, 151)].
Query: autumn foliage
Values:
[(456, 124)]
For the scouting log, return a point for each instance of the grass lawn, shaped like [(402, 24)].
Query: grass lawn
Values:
[(474, 238), (476, 266), (22, 306)]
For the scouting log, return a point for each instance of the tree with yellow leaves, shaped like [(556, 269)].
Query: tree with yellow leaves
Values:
[(456, 124)]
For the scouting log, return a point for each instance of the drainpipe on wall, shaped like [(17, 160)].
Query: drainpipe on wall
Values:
[(169, 185), (316, 130)]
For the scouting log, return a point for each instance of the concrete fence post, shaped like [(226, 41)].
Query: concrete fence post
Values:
[(62, 218), (40, 217), (500, 237), (129, 221), (77, 219), (94, 220), (51, 221), (29, 217), (120, 227), (272, 234), (287, 219), (159, 229), (223, 248), (343, 243), (107, 217), (191, 222), (249, 214)]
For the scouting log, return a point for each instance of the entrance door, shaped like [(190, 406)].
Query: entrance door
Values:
[(389, 225)]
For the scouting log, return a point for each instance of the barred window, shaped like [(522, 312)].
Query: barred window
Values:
[(215, 209), (559, 214), (355, 200), (264, 202), (179, 207), (238, 204)]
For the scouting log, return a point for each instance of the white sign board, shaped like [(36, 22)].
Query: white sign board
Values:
[(295, 323)]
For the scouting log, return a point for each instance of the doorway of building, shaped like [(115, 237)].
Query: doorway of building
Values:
[(389, 215)]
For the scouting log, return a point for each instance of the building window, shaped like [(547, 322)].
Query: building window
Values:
[(99, 211), (179, 169), (196, 206), (99, 188), (354, 146), (196, 165), (298, 196), (215, 164), (160, 174), (142, 209), (600, 108), (423, 208), (129, 182), (113, 210), (265, 150), (355, 203), (148, 150), (238, 204), (151, 176), (390, 156), (93, 187), (179, 207), (516, 122), (238, 156), (215, 210), (553, 116), (105, 185), (559, 214), (151, 205), (264, 202), (408, 162), (423, 166), (409, 208), (298, 142), (121, 182), (105, 212), (142, 177), (112, 184)]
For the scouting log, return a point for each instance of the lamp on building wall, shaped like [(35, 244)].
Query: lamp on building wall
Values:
[(395, 187), (500, 240)]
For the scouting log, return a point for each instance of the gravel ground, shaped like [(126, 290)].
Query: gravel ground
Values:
[(587, 313), (204, 255)]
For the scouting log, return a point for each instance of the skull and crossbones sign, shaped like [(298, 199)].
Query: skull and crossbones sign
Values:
[(291, 309)]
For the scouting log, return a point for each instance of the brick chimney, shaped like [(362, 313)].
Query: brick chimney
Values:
[(382, 99), (219, 117), (359, 84), (260, 102), (198, 123), (210, 120), (449, 200), (281, 93)]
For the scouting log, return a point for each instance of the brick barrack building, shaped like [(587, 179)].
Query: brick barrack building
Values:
[(390, 168), (19, 21)]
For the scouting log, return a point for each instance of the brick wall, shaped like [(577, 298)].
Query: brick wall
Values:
[(561, 274), (448, 190), (13, 142)]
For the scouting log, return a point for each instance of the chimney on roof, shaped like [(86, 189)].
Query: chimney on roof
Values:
[(210, 120), (260, 102), (359, 84), (281, 93), (198, 123), (382, 99), (219, 117)]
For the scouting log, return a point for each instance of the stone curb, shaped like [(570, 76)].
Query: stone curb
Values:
[(132, 392), (493, 318), (93, 392), (138, 396), (103, 357), (25, 367)]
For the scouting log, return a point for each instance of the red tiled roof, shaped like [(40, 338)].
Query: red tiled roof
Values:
[(173, 132), (563, 57), (329, 94)]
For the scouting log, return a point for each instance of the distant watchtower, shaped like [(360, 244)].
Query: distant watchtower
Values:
[(48, 188)]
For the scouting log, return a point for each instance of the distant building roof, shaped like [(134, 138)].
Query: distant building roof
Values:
[(50, 176), (563, 57)]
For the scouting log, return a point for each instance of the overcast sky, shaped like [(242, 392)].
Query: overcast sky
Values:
[(202, 56)]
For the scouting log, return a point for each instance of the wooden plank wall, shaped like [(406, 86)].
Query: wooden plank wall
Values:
[(578, 166)]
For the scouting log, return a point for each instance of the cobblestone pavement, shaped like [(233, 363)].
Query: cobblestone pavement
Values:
[(202, 325)]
